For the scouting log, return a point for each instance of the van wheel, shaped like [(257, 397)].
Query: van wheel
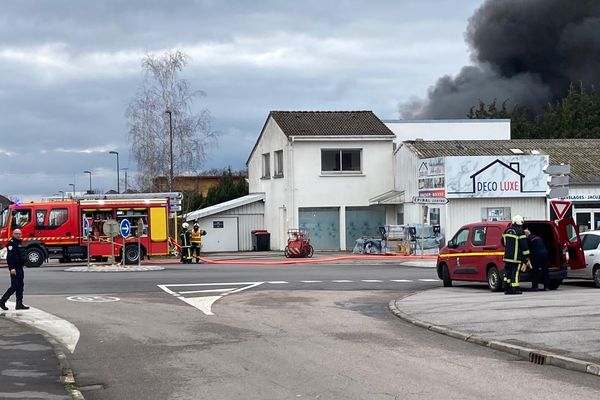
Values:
[(493, 279), (446, 276), (596, 275), (555, 283), (34, 257)]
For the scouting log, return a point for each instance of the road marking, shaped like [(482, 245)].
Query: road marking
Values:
[(342, 281), (429, 280), (277, 282), (311, 281), (401, 280), (204, 303), (93, 299), (371, 280), (60, 329)]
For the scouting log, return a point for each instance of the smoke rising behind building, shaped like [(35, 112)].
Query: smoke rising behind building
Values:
[(524, 51)]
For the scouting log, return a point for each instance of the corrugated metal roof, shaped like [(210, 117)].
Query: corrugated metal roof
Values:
[(330, 123), (228, 205), (582, 154)]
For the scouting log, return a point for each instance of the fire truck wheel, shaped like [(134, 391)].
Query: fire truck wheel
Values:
[(494, 281), (131, 254), (286, 252), (34, 257), (446, 276), (310, 251)]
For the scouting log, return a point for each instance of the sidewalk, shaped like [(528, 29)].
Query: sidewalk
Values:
[(28, 366), (565, 322)]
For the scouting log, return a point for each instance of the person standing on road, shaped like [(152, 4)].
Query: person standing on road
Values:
[(184, 237), (540, 261), (16, 260), (516, 252), (196, 241)]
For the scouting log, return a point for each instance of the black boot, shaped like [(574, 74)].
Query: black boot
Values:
[(21, 306), (3, 304)]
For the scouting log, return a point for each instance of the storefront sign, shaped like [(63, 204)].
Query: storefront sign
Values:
[(432, 177), (583, 197), (503, 176)]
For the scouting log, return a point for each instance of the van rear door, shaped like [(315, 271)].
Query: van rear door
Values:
[(569, 236)]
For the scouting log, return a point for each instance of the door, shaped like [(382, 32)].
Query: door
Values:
[(221, 234), (456, 248), (569, 236)]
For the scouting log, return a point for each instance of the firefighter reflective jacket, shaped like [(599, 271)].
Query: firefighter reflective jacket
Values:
[(185, 238), (197, 236), (516, 249)]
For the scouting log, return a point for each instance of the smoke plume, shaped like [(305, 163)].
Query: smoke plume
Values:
[(524, 51)]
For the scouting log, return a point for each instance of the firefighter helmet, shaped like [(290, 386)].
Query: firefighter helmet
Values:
[(185, 225), (517, 220), (196, 225)]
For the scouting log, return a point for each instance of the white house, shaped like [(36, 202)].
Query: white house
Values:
[(319, 170)]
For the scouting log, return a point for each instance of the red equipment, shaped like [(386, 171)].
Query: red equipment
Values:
[(298, 244)]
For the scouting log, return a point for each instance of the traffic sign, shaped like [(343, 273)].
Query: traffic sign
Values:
[(558, 192), (125, 228), (558, 180), (558, 169), (86, 227), (430, 200), (560, 207), (110, 228)]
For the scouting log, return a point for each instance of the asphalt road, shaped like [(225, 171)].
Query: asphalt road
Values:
[(305, 332)]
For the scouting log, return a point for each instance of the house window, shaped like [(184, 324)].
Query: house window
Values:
[(266, 165), (278, 164), (341, 160)]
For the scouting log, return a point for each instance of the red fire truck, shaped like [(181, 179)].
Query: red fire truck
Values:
[(55, 229)]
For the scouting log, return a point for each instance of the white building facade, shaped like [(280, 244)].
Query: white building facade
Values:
[(318, 171)]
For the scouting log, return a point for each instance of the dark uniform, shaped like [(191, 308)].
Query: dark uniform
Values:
[(15, 258), (186, 256), (516, 252), (196, 241), (540, 260)]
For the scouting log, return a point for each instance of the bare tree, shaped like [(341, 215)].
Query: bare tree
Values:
[(148, 122)]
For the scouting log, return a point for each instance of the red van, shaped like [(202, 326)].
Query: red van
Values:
[(476, 251)]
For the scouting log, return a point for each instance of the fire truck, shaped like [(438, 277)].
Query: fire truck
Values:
[(57, 229)]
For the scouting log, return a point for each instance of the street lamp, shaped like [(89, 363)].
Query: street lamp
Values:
[(170, 149), (73, 186), (118, 172), (89, 172), (63, 194), (125, 169)]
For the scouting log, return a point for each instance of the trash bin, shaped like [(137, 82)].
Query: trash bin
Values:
[(261, 240)]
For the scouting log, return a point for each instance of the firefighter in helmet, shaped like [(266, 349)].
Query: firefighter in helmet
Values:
[(196, 241), (184, 237), (516, 252)]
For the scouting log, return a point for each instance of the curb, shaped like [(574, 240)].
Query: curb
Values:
[(536, 356), (67, 378)]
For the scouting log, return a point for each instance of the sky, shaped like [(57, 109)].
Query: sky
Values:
[(68, 70)]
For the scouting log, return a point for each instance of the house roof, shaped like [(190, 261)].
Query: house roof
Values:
[(581, 154), (227, 205), (330, 123)]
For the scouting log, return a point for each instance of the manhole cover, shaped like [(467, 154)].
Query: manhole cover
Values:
[(93, 299)]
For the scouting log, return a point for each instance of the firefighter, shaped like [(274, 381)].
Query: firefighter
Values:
[(15, 258), (516, 252), (540, 261), (186, 256), (196, 241)]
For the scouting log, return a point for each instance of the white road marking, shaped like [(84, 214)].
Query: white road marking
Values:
[(311, 281), (60, 329), (342, 281), (277, 282), (93, 299), (371, 280), (401, 280), (429, 280), (204, 303)]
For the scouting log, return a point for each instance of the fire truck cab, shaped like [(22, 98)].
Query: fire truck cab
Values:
[(55, 230)]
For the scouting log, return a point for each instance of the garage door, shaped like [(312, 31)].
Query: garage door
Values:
[(221, 234)]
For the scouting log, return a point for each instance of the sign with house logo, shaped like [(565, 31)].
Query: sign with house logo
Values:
[(431, 178), (505, 176)]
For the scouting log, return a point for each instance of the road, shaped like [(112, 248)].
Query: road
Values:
[(301, 332)]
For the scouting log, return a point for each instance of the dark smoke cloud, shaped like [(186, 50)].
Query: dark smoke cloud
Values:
[(526, 51)]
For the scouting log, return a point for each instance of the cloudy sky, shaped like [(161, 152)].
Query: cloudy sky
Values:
[(68, 69)]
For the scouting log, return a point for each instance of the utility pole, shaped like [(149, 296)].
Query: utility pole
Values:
[(90, 173), (170, 149), (118, 172), (125, 169)]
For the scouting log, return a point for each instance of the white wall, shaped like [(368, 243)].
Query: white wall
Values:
[(459, 129)]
